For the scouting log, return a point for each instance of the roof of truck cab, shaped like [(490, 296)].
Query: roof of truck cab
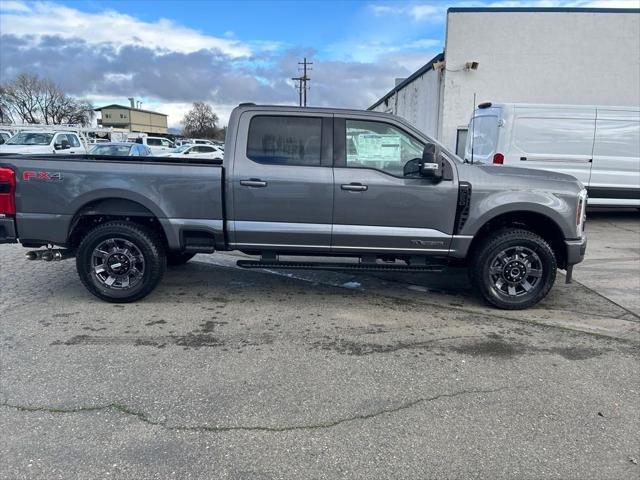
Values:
[(324, 110)]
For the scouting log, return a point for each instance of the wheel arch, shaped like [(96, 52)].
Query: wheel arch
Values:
[(109, 208), (533, 221)]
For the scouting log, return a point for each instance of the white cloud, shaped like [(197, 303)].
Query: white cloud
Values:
[(46, 18), (13, 6)]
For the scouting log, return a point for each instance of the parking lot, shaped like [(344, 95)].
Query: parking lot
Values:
[(227, 373)]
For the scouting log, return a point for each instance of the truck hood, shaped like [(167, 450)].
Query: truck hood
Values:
[(25, 149), (527, 173)]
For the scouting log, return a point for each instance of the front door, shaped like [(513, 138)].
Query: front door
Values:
[(376, 207), (282, 182)]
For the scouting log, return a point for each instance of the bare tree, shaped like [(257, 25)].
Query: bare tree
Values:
[(201, 122), (34, 100)]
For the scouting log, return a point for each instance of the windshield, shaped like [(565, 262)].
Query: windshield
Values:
[(29, 138), (115, 150)]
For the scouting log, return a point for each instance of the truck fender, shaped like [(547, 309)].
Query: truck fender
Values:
[(543, 203)]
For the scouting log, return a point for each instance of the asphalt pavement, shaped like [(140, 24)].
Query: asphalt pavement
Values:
[(227, 373)]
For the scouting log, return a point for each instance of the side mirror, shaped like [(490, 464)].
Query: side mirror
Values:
[(429, 166)]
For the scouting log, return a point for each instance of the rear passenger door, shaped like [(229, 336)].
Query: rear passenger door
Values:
[(282, 181), (615, 174)]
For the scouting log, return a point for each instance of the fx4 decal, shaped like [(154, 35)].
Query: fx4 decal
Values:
[(28, 175)]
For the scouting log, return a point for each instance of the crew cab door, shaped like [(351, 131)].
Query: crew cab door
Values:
[(376, 207), (282, 181)]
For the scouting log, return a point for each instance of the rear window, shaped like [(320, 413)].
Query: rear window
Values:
[(283, 140)]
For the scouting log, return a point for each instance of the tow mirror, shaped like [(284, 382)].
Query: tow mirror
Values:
[(63, 145), (429, 166)]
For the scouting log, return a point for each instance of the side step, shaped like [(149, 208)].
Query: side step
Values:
[(340, 266)]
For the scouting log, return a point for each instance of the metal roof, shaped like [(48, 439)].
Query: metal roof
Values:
[(542, 9), (114, 105), (422, 70)]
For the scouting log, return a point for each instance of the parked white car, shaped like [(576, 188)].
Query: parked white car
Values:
[(44, 141), (210, 152), (600, 146), (157, 145)]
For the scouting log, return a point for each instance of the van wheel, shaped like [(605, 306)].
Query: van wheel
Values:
[(178, 258), (513, 269), (121, 262)]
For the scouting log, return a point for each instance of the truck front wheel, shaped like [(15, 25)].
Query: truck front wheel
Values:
[(513, 269), (121, 262)]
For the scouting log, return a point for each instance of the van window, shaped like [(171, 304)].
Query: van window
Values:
[(155, 142), (554, 136), (285, 140), (617, 138), (485, 136)]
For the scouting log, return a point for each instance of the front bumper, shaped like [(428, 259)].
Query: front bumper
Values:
[(7, 230), (576, 250)]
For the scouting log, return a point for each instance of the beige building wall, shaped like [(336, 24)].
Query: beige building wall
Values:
[(135, 120)]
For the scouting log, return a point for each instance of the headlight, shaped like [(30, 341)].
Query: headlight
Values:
[(581, 211)]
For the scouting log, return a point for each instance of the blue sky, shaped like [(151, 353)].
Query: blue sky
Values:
[(171, 53)]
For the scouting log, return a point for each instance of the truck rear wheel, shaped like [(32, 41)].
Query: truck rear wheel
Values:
[(120, 261), (513, 269)]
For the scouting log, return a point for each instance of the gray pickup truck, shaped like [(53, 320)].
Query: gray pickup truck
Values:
[(362, 190)]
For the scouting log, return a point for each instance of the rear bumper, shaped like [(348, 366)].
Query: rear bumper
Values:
[(7, 230), (576, 250)]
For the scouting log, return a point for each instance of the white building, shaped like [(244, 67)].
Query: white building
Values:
[(524, 55)]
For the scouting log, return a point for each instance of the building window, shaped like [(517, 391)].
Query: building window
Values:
[(461, 141), (123, 115), (107, 115)]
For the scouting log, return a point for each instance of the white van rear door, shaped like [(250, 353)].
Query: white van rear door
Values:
[(615, 175), (560, 140)]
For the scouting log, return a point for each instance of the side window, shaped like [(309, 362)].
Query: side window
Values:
[(60, 138), (205, 149), (154, 142), (282, 140), (380, 146), (73, 140), (559, 136), (617, 138), (165, 142)]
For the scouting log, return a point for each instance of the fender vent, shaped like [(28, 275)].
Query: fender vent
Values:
[(463, 206)]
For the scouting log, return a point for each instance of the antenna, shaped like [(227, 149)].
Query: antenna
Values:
[(473, 125)]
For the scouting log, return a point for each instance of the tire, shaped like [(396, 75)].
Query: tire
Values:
[(121, 262), (178, 258), (513, 269)]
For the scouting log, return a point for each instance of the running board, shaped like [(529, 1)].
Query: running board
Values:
[(340, 266)]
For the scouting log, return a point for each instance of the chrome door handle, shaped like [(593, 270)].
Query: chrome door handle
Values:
[(253, 182), (354, 187)]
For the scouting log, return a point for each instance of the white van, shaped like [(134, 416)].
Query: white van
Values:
[(600, 146)]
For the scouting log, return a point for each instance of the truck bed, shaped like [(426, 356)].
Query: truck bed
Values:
[(52, 189)]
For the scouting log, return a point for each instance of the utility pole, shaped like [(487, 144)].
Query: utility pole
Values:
[(302, 82), (299, 88)]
